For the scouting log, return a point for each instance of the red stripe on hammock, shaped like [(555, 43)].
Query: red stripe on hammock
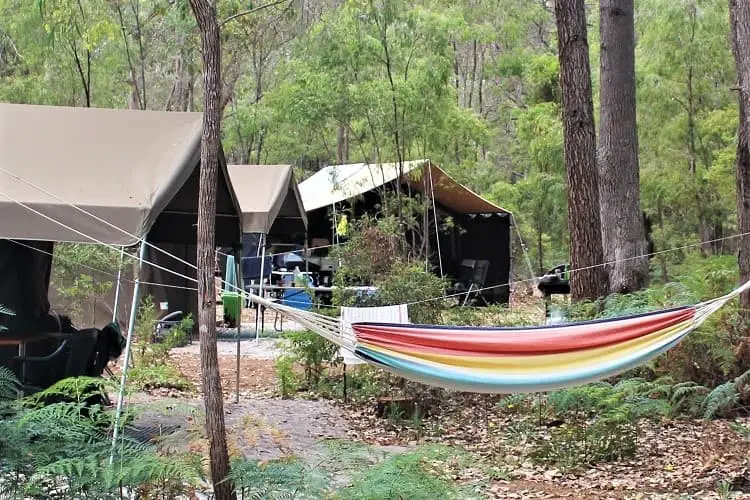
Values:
[(551, 340)]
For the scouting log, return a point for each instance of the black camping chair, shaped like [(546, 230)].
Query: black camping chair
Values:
[(556, 281), (472, 276), (109, 346), (73, 358)]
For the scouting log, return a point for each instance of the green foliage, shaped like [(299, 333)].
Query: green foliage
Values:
[(313, 352), (8, 384), (278, 479), (288, 378), (728, 397), (65, 447), (151, 368), (420, 474), (599, 422), (371, 256)]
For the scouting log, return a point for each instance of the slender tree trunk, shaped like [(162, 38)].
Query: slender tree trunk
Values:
[(580, 152), (473, 74), (205, 14), (739, 14), (623, 236)]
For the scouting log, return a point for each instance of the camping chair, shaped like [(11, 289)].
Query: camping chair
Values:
[(556, 281), (472, 275), (73, 358)]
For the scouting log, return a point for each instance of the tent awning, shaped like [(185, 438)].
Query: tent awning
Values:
[(124, 167), (269, 199), (337, 183)]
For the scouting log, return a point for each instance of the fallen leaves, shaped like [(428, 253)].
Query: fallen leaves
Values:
[(673, 458)]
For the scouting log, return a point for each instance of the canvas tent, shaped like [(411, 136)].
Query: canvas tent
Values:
[(125, 167), (106, 176), (272, 214), (269, 199), (482, 231)]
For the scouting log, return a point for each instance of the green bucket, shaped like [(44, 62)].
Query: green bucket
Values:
[(231, 302)]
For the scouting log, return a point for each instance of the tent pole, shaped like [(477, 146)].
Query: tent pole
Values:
[(437, 227), (117, 287), (239, 320), (128, 347), (260, 286), (307, 262)]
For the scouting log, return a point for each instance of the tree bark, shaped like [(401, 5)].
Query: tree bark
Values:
[(580, 153), (623, 235), (205, 15), (739, 15)]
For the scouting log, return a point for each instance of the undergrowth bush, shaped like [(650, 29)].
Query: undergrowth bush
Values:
[(601, 422), (62, 450), (151, 367), (425, 473), (597, 422), (278, 479), (312, 352), (373, 256)]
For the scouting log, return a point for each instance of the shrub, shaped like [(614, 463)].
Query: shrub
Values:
[(63, 449), (313, 352), (278, 479), (597, 422), (151, 368), (288, 379)]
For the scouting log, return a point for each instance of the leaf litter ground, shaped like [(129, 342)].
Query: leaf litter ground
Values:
[(675, 459)]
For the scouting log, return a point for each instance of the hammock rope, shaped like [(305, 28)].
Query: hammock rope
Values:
[(506, 360)]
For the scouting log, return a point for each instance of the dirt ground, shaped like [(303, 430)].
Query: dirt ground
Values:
[(685, 456)]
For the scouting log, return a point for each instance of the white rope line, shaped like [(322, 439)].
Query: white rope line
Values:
[(571, 271), (93, 240), (71, 261), (242, 291)]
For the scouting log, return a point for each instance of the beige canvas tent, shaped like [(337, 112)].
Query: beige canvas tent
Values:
[(106, 176), (103, 176), (474, 248), (337, 183), (269, 199), (114, 177)]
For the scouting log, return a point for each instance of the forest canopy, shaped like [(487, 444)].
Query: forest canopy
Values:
[(472, 85)]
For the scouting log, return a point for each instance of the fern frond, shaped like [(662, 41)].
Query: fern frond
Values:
[(721, 399), (8, 384), (513, 400), (741, 381)]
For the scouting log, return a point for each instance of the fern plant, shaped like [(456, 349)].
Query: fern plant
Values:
[(599, 421), (62, 450), (278, 480), (727, 397)]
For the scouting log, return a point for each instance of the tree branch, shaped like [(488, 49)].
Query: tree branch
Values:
[(250, 11)]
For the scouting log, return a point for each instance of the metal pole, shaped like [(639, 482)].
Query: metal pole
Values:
[(307, 257), (128, 347), (239, 321), (117, 287), (437, 226), (260, 286)]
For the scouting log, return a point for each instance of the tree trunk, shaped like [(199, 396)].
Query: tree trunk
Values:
[(739, 14), (205, 15), (580, 153), (623, 236)]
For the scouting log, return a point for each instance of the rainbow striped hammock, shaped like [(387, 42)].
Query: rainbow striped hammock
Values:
[(513, 360)]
